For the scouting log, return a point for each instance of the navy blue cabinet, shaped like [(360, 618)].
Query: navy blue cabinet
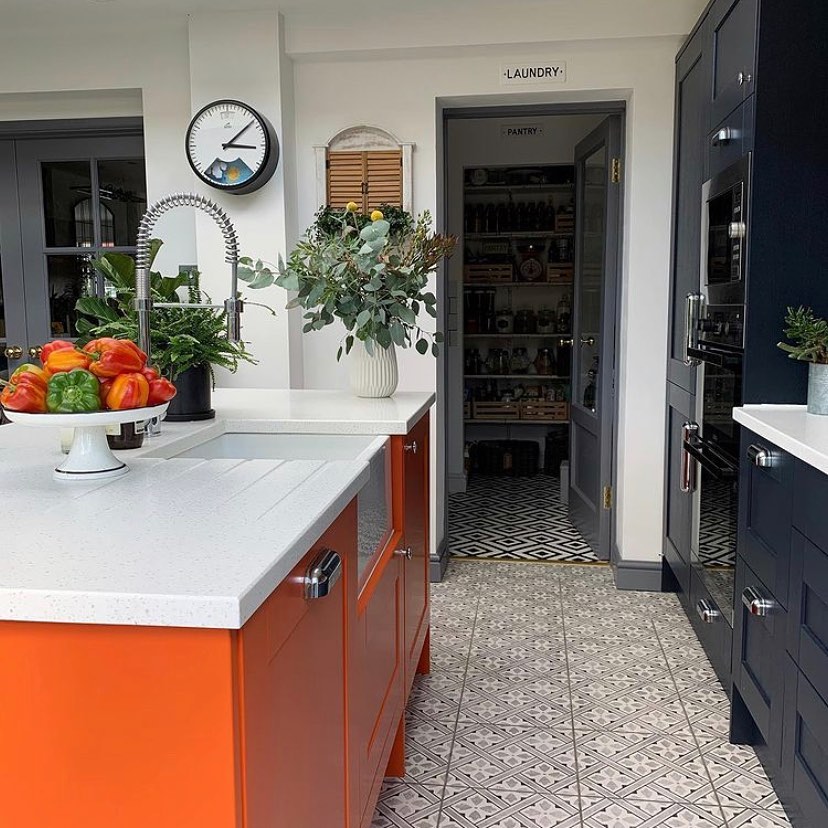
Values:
[(733, 28)]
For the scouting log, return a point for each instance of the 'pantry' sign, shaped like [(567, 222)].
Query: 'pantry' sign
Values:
[(535, 73)]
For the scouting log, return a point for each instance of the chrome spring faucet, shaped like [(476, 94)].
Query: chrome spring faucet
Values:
[(233, 306)]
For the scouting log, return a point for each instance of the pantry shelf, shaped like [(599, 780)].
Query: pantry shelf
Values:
[(507, 421), (517, 376)]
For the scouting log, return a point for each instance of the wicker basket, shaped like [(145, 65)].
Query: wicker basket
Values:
[(564, 223), (496, 411), (488, 274), (544, 412)]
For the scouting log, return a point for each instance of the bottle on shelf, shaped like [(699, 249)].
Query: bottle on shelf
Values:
[(564, 314)]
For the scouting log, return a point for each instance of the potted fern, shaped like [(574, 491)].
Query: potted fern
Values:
[(372, 275), (809, 335)]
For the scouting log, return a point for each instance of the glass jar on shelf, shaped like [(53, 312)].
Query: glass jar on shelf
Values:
[(520, 362), (498, 361), (504, 321), (544, 362), (565, 314), (546, 321), (526, 322)]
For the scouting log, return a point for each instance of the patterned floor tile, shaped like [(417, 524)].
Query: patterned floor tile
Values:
[(467, 808), (753, 818), (408, 806), (630, 714), (428, 744), (538, 703), (619, 813)]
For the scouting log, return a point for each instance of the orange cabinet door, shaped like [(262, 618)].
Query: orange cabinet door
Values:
[(293, 695), (415, 484), (377, 678)]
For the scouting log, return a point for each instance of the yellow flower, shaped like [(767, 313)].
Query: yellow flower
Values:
[(352, 206), (233, 173), (377, 215)]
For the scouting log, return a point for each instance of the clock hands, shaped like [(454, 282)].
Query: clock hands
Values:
[(237, 146), (231, 142)]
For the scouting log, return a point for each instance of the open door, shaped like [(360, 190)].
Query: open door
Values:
[(597, 228)]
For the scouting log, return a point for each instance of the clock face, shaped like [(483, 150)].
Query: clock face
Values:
[(531, 269), (231, 146)]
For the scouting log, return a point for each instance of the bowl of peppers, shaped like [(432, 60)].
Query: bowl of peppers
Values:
[(105, 382)]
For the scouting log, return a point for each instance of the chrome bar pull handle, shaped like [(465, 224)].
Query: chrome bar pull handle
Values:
[(707, 612), (407, 553), (323, 574), (694, 305), (761, 457), (412, 447), (688, 463), (756, 603)]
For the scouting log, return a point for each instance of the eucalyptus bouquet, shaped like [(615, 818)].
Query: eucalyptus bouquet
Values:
[(358, 270)]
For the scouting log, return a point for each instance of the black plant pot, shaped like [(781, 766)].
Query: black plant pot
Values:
[(194, 397)]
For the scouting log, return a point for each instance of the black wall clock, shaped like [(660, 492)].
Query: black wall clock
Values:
[(232, 147)]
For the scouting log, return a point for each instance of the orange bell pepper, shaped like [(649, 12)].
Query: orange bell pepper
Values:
[(56, 345), (110, 357), (128, 391), (25, 396), (30, 373), (161, 390), (66, 359)]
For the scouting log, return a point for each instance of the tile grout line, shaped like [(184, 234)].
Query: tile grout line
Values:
[(459, 706), (725, 823), (571, 704)]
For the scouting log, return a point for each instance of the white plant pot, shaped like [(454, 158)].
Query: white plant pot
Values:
[(817, 388), (375, 374)]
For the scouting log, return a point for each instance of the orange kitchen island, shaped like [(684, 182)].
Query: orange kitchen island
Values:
[(283, 709)]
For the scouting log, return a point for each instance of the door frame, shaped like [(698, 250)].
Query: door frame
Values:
[(445, 112)]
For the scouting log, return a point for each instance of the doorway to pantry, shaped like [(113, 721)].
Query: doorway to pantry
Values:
[(534, 196)]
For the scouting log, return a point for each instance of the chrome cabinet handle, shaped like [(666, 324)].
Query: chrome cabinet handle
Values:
[(412, 447), (724, 136), (761, 457), (406, 553), (35, 351), (707, 612), (693, 307), (756, 603), (588, 340), (744, 77), (323, 574), (13, 352), (687, 483)]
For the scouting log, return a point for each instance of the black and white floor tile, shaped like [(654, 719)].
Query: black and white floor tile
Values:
[(538, 715), (514, 518)]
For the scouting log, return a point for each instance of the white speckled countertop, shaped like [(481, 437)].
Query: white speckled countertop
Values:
[(791, 428), (180, 542)]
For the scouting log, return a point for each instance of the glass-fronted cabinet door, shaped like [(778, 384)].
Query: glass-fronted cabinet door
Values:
[(78, 198)]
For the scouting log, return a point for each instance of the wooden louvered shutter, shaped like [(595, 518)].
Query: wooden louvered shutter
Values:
[(346, 172), (368, 178), (383, 173)]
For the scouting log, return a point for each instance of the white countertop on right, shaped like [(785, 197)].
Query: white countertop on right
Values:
[(791, 428)]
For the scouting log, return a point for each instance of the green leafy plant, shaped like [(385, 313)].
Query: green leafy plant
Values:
[(361, 273), (180, 338), (809, 335)]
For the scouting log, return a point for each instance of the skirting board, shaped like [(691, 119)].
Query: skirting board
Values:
[(644, 576), (438, 563)]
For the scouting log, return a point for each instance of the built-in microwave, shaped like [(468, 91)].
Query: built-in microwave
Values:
[(725, 200)]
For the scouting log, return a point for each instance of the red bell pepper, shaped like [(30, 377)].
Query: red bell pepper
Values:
[(128, 391), (25, 396), (65, 359), (150, 373), (56, 345), (30, 373), (104, 391), (161, 390), (110, 357)]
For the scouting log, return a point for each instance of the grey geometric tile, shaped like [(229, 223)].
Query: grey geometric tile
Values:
[(753, 818), (741, 787), (488, 756), (625, 813), (408, 806), (540, 702), (428, 743), (445, 658), (630, 714), (476, 808)]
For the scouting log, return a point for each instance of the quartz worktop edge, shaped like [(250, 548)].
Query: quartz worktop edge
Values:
[(791, 429)]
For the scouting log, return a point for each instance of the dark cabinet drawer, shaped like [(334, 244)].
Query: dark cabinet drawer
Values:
[(731, 139), (805, 748), (765, 514), (807, 637), (758, 651), (733, 33), (712, 628), (811, 505)]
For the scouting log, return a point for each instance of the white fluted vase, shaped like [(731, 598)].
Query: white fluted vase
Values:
[(374, 374)]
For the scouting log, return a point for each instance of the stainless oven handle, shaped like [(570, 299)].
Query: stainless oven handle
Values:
[(720, 471), (687, 483), (694, 304)]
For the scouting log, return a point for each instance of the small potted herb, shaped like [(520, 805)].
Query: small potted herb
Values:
[(186, 343), (371, 273), (809, 335)]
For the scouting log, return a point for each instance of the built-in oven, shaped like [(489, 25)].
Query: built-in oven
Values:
[(715, 321)]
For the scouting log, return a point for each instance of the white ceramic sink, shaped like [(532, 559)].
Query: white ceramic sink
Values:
[(287, 447)]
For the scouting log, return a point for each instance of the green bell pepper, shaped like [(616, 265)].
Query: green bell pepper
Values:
[(73, 392)]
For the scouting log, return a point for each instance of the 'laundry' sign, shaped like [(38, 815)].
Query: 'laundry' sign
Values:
[(536, 72)]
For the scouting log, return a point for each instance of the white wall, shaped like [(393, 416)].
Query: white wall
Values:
[(400, 95)]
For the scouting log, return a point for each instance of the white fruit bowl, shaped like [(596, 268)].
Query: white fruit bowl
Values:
[(90, 457)]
